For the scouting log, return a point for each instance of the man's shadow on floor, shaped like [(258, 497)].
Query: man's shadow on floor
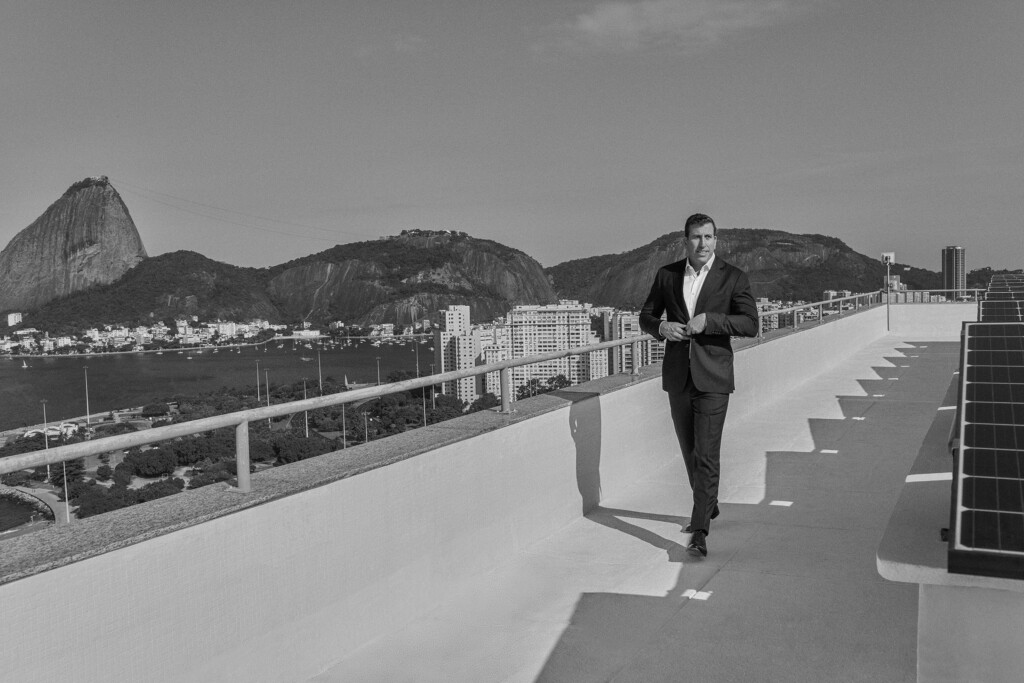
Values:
[(585, 427), (612, 518)]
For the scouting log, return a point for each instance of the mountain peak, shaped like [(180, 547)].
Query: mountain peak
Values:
[(85, 238), (91, 181)]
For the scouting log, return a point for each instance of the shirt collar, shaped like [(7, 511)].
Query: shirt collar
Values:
[(705, 268)]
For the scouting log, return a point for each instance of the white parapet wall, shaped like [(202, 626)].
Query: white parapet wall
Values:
[(934, 322), (282, 590)]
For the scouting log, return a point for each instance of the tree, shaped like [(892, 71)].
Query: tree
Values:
[(531, 388), (292, 448), (96, 499), (485, 401), (73, 468), (155, 410), (19, 478), (159, 489), (558, 382), (123, 474), (104, 472), (154, 462), (447, 407)]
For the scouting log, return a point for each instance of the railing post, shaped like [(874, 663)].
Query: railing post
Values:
[(242, 457), (506, 390), (634, 351)]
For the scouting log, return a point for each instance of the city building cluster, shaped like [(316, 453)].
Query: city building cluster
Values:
[(535, 330), (188, 332)]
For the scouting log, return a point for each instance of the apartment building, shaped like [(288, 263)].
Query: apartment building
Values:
[(536, 330), (622, 325), (457, 346)]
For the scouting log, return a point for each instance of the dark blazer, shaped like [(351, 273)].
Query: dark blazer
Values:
[(728, 304)]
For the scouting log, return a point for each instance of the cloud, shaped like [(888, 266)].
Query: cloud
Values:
[(623, 26)]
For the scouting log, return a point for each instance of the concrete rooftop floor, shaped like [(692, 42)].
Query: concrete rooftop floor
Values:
[(788, 592)]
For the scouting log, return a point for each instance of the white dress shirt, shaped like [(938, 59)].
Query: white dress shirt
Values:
[(693, 281)]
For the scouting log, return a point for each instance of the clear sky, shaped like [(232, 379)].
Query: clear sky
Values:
[(255, 132)]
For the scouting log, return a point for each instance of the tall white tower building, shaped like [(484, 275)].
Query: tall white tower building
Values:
[(457, 347)]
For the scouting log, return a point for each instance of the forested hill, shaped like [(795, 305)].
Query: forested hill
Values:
[(401, 279), (781, 265), (405, 278), (161, 287)]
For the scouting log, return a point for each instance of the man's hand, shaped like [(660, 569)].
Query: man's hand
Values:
[(673, 331), (696, 325)]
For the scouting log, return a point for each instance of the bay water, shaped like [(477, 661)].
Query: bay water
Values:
[(127, 380)]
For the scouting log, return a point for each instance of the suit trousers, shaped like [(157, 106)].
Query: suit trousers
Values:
[(699, 418)]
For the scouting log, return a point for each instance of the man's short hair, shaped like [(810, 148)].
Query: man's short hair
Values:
[(697, 220)]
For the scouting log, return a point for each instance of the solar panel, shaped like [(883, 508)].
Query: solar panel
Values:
[(1001, 311), (988, 485)]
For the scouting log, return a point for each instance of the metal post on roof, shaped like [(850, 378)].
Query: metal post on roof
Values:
[(506, 390), (242, 457)]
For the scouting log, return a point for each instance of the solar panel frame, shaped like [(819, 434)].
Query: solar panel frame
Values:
[(1001, 310), (987, 511)]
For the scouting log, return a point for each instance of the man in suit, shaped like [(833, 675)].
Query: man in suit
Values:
[(706, 301)]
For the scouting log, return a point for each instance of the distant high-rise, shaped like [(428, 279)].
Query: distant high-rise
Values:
[(458, 348), (954, 275), (623, 325)]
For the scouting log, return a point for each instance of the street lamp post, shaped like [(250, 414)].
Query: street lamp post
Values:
[(86, 369), (433, 404), (378, 371), (319, 372), (266, 384), (306, 412), (423, 390), (257, 382), (888, 257), (46, 438), (366, 429), (63, 465)]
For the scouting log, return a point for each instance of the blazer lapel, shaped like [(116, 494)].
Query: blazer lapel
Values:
[(714, 277), (677, 299)]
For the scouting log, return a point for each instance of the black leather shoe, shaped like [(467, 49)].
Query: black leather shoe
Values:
[(698, 544), (714, 513)]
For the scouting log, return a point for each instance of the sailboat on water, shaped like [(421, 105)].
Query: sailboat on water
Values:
[(24, 364)]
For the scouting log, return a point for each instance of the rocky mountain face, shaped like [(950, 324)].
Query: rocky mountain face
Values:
[(781, 265), (87, 237), (408, 277)]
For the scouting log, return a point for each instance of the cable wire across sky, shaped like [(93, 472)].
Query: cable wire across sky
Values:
[(176, 203)]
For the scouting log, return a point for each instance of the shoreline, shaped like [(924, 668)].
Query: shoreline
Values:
[(128, 353), (40, 507), (96, 354)]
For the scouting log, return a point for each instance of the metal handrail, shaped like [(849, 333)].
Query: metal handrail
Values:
[(954, 293), (240, 420)]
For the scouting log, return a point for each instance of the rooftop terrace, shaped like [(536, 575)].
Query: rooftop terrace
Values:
[(545, 545)]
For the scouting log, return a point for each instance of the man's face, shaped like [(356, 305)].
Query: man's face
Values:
[(700, 244)]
